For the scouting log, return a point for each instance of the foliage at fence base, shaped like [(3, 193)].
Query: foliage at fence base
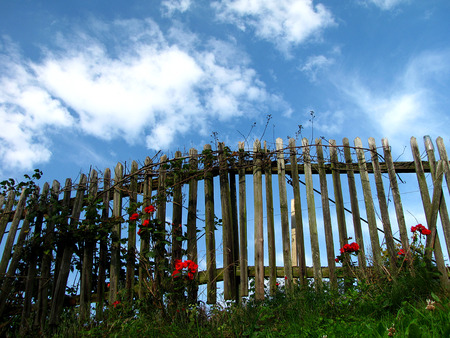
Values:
[(377, 306)]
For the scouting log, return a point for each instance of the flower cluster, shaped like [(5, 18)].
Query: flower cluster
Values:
[(420, 228), (191, 267), (347, 248), (135, 216)]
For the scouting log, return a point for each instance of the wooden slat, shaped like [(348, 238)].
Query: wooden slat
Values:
[(227, 227), (313, 233), (389, 238), (7, 251), (326, 216), (444, 158), (258, 221), (6, 213), (243, 258), (192, 251), (284, 215), (63, 273), (397, 198), (177, 211), (144, 246), (300, 257), (102, 260), (132, 231), (270, 226), (443, 213), (368, 201), (45, 282), (235, 231), (356, 216), (88, 254), (160, 233), (211, 296)]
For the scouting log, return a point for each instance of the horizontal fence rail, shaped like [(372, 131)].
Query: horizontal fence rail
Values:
[(191, 201)]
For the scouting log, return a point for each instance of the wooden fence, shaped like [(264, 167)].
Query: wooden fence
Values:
[(89, 222)]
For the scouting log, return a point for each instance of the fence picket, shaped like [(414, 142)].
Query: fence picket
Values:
[(243, 258), (270, 223), (258, 221)]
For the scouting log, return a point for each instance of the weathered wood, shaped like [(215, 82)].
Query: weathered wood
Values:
[(131, 243), (192, 251), (368, 201), (326, 216), (102, 260), (144, 266), (235, 232), (63, 274), (45, 282), (116, 235), (6, 213), (243, 258), (7, 285), (7, 251), (160, 233), (297, 226), (211, 290), (444, 158), (389, 238), (356, 216), (443, 213), (177, 211), (227, 227), (284, 215), (258, 221), (397, 198), (270, 227), (35, 253), (313, 233)]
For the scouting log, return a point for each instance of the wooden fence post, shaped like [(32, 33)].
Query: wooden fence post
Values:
[(243, 258), (370, 210), (270, 222), (115, 235), (297, 226), (63, 274), (314, 236), (258, 221), (326, 217), (192, 252), (211, 296), (281, 168)]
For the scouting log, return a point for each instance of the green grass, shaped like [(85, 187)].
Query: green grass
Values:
[(367, 309)]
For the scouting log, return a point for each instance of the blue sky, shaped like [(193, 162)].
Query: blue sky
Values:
[(91, 83)]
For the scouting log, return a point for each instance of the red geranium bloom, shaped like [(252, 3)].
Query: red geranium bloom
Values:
[(426, 232), (139, 232), (190, 275), (145, 223), (149, 209), (134, 217), (176, 273), (336, 260), (178, 264), (116, 303), (423, 230), (401, 252)]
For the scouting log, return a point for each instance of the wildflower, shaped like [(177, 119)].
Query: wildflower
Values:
[(150, 209), (134, 217), (430, 305), (420, 228), (391, 331)]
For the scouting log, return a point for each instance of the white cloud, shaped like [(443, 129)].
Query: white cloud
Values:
[(139, 85), (314, 65), (387, 4), (286, 23), (169, 7), (413, 104)]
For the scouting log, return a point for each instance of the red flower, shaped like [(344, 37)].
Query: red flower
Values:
[(353, 247), (139, 231), (116, 303), (134, 217), (108, 285), (423, 230), (145, 223), (190, 275), (401, 252), (176, 273), (336, 260), (149, 209), (178, 264)]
